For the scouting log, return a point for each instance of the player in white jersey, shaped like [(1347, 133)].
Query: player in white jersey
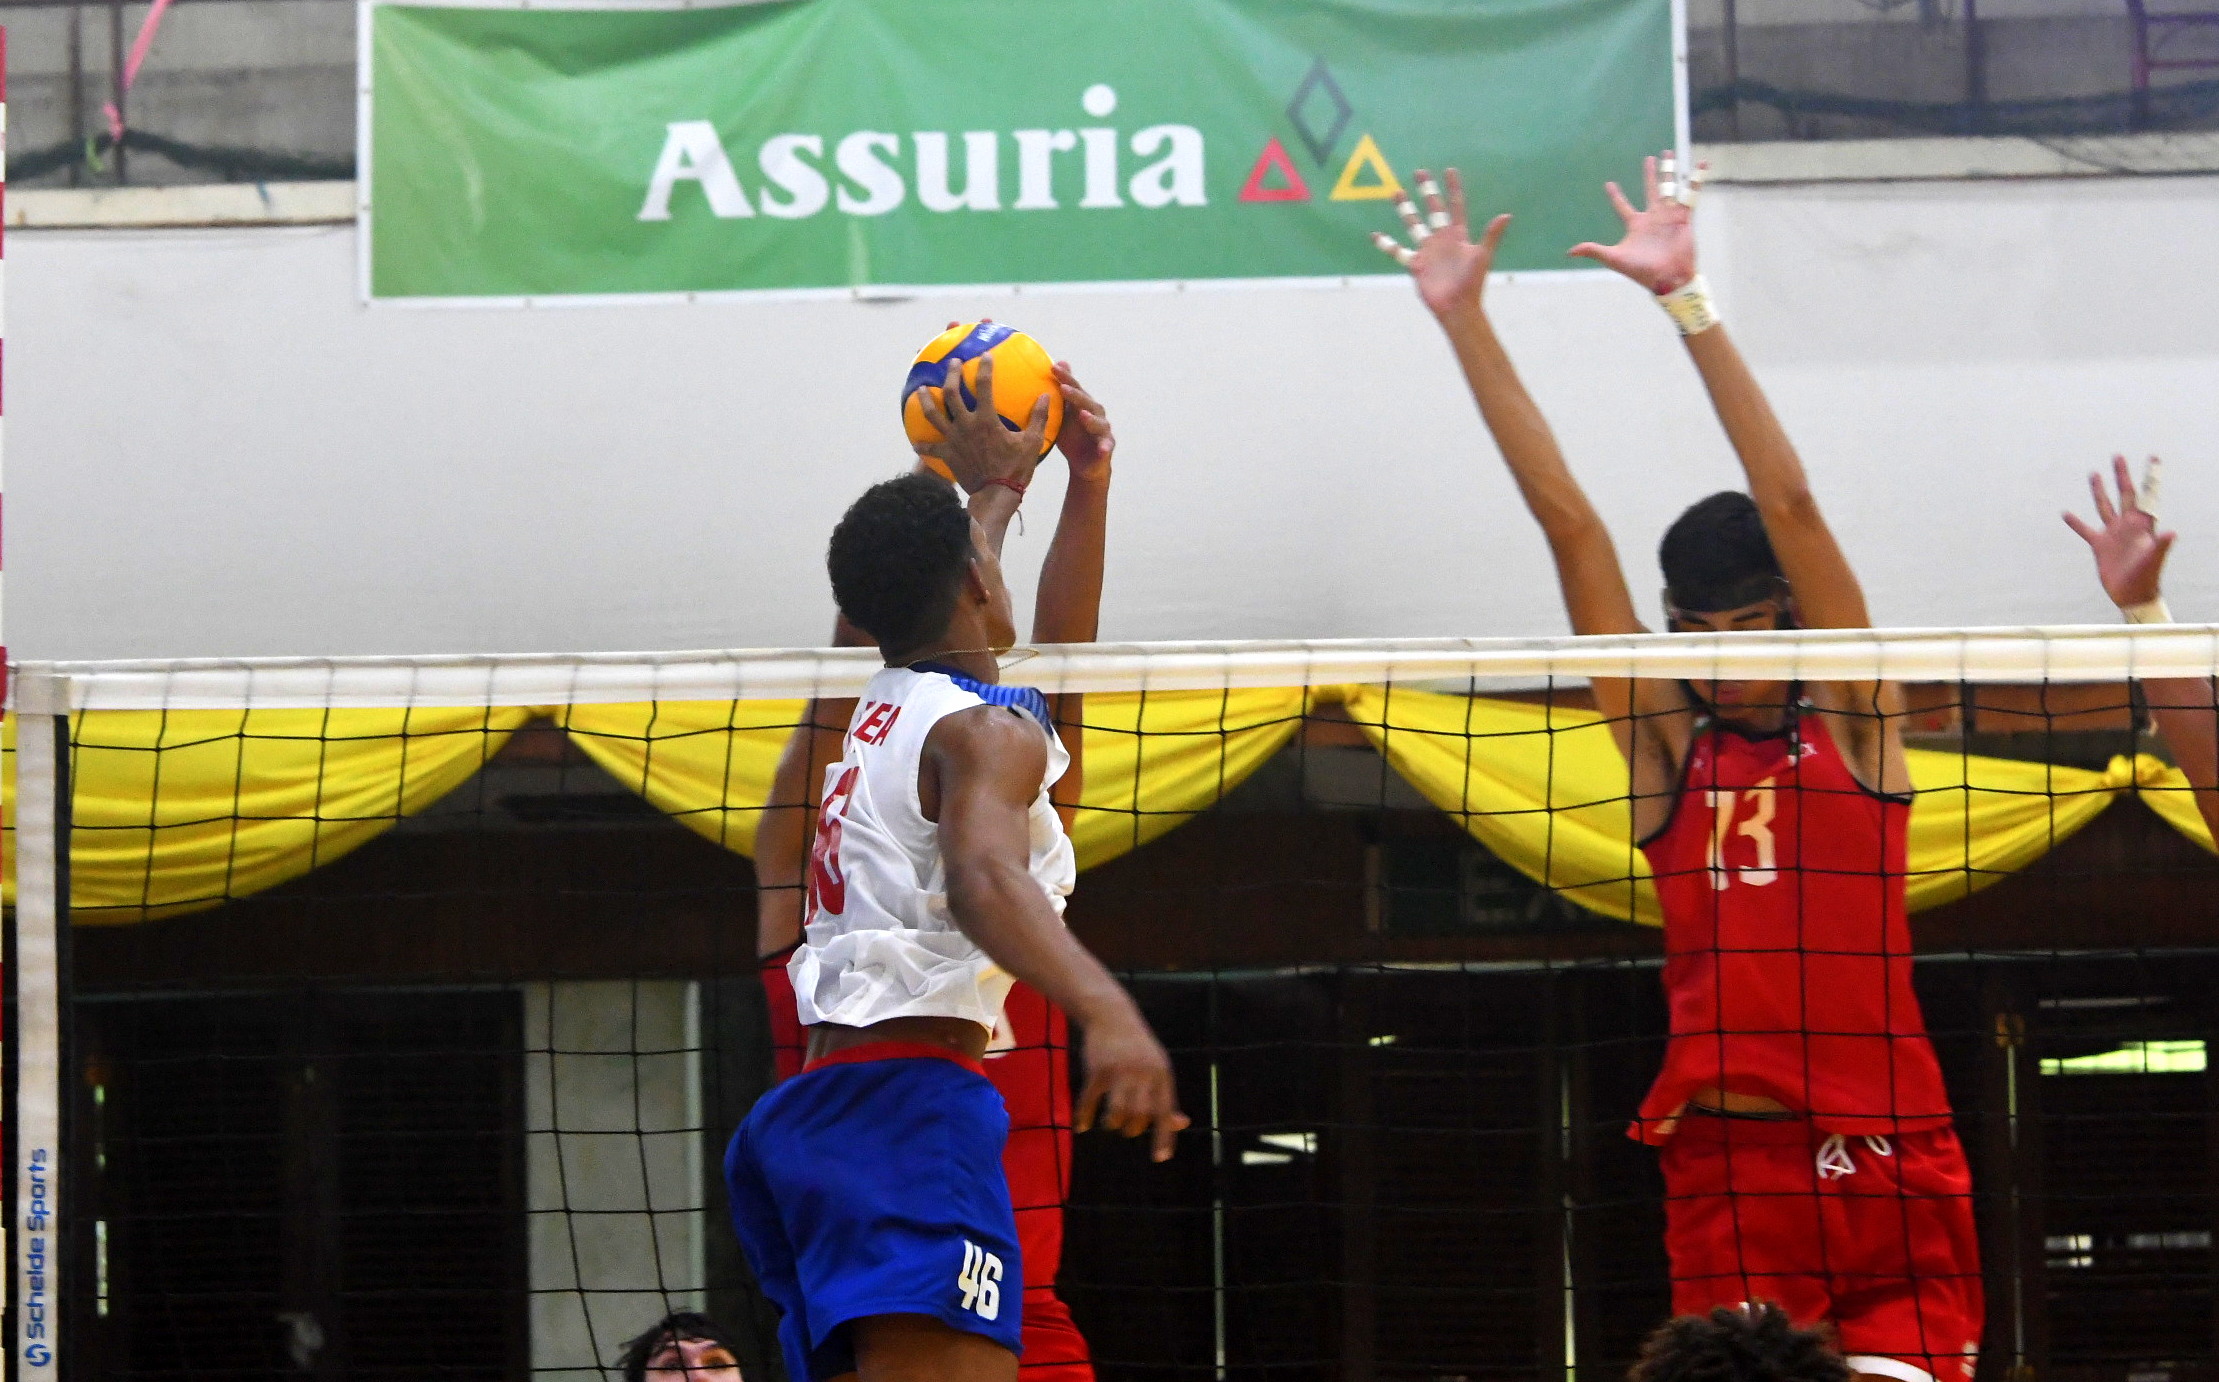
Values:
[(868, 1191)]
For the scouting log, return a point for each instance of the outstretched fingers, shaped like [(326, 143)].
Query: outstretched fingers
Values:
[(1619, 203), (1408, 211), (2130, 498), (1436, 210), (1457, 212), (1394, 249), (1649, 179), (2104, 512), (1493, 235)]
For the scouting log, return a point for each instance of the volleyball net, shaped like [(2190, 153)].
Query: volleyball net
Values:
[(384, 1017)]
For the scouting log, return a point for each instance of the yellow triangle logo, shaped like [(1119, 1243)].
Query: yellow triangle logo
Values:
[(1366, 158)]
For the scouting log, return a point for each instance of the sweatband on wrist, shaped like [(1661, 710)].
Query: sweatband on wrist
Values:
[(1689, 307), (2148, 612)]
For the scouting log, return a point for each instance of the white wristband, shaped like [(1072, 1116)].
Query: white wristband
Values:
[(1689, 307), (2148, 612)]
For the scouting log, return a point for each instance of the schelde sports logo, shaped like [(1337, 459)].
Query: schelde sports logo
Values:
[(1320, 116), (37, 1235), (1094, 164)]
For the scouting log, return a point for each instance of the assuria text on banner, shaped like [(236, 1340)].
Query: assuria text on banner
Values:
[(844, 144)]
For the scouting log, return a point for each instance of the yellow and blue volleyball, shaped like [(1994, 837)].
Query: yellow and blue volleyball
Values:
[(1023, 372)]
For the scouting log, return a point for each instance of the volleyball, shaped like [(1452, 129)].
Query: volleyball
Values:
[(1023, 371)]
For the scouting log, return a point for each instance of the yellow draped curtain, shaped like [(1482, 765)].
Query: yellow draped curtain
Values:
[(1546, 790), (177, 811)]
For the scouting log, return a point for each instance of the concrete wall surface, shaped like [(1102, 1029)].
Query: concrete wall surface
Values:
[(215, 449)]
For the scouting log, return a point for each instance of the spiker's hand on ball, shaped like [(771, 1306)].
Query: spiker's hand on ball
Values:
[(975, 444), (1658, 251), (1086, 440), (1450, 271)]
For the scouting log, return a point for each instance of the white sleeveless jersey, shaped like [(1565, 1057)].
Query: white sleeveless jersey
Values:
[(878, 941)]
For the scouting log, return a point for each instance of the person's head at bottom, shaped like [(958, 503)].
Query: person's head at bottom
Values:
[(682, 1347), (1720, 576), (1744, 1343), (910, 568)]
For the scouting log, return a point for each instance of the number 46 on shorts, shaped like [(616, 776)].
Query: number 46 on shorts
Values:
[(980, 1281)]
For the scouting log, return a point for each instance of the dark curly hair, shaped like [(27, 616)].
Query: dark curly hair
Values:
[(1750, 1343), (1718, 556), (897, 560), (672, 1328)]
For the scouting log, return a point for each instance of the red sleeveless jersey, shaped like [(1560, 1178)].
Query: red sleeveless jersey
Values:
[(1787, 942)]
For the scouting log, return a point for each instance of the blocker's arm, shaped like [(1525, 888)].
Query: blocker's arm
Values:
[(2130, 561), (1451, 276), (1658, 252)]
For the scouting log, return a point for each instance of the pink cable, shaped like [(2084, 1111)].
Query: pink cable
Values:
[(139, 47)]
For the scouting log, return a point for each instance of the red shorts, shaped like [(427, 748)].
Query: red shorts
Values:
[(1030, 1062), (1873, 1235)]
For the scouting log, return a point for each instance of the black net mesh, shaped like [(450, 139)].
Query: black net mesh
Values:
[(410, 1046)]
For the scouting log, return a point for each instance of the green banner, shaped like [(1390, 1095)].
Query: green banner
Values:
[(842, 144)]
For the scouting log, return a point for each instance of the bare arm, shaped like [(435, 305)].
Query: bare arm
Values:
[(1658, 252), (982, 768), (2130, 560), (790, 817), (1068, 608), (1451, 276)]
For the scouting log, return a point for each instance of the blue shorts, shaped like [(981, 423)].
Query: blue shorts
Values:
[(874, 1186)]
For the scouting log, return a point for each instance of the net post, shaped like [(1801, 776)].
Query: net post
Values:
[(36, 947), (3, 300)]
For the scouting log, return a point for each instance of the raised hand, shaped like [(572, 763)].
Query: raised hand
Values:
[(1658, 251), (978, 448), (1129, 1087), (2129, 550), (1085, 438), (1450, 271)]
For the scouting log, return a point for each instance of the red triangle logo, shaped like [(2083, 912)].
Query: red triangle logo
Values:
[(1274, 160)]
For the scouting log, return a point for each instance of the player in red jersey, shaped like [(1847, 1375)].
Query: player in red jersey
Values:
[(1800, 1118), (2130, 557), (1029, 1057)]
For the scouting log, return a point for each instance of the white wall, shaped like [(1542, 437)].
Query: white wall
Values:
[(213, 449)]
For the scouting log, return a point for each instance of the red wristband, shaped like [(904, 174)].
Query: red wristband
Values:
[(1006, 483)]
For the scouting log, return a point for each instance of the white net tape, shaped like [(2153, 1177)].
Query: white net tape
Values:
[(2066, 653)]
